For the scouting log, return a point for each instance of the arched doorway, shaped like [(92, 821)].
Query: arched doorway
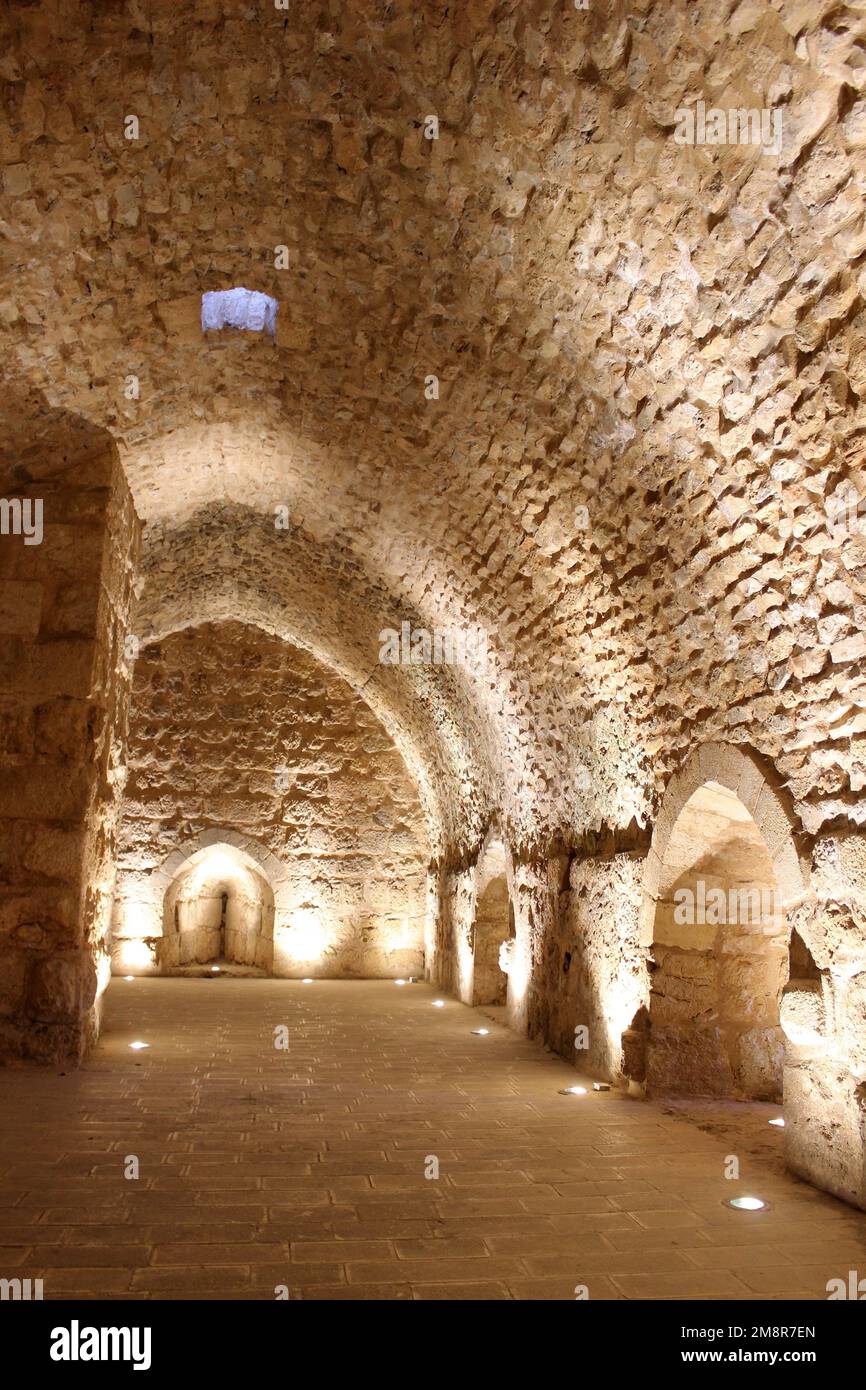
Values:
[(492, 927), (719, 957), (218, 910), (722, 879)]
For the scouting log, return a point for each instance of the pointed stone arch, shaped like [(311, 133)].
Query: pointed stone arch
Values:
[(218, 910), (757, 786), (723, 878), (162, 877), (138, 921)]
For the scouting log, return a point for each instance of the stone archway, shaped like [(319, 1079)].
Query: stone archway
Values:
[(145, 928), (722, 875), (218, 911), (492, 926), (719, 958)]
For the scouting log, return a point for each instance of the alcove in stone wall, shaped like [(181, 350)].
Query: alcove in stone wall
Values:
[(218, 910), (239, 738), (719, 957), (492, 928)]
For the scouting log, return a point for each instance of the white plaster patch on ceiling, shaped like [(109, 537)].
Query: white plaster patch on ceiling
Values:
[(239, 308)]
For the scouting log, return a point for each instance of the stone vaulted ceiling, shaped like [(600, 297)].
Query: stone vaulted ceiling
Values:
[(651, 358)]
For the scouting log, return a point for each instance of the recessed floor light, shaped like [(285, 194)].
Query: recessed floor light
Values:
[(481, 1032), (746, 1204), (215, 969), (129, 977), (308, 981), (438, 1003), (137, 1046), (779, 1123), (573, 1091), (399, 982)]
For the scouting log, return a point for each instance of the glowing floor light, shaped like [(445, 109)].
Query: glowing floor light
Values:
[(481, 1032), (137, 1046), (307, 981), (129, 977), (399, 982), (745, 1203), (779, 1123), (215, 969), (573, 1091), (438, 1003)]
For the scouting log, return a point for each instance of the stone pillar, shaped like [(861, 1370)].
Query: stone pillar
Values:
[(536, 902), (64, 683), (825, 1027), (596, 974), (450, 964)]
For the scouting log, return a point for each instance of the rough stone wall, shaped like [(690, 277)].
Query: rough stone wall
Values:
[(230, 727), (651, 362), (108, 725), (64, 607), (824, 1089), (492, 929), (595, 973), (719, 958), (650, 355)]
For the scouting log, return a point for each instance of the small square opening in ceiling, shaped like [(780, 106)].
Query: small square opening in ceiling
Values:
[(239, 308)]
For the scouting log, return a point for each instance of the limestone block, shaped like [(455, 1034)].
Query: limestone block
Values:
[(854, 1023), (20, 607), (802, 1015), (634, 1054), (758, 1060), (825, 1118), (60, 988), (691, 1061), (54, 793), (14, 965), (55, 854)]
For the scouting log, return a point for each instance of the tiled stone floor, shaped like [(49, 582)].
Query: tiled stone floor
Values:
[(306, 1168)]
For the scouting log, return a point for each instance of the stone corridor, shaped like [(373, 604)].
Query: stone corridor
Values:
[(433, 548), (305, 1168)]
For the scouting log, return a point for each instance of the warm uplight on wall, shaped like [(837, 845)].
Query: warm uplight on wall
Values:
[(465, 965), (305, 937), (621, 1003), (103, 975), (216, 863), (138, 925), (131, 953), (400, 937)]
